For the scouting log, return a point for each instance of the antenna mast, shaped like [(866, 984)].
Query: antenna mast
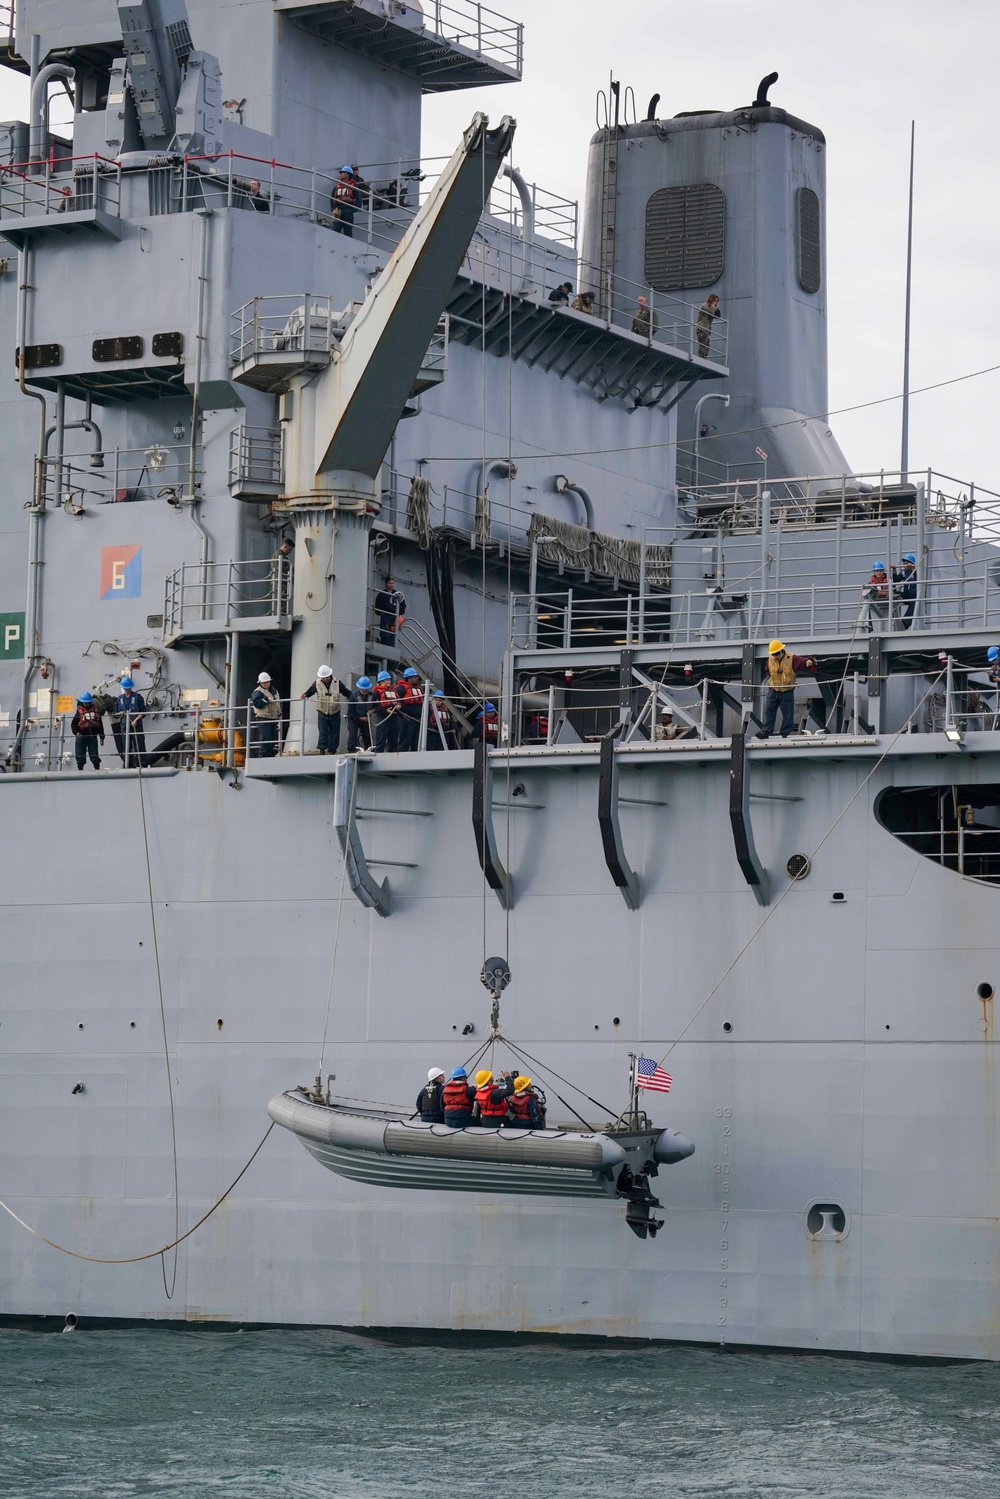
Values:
[(904, 460)]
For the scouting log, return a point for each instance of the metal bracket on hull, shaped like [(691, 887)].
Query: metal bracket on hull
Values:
[(739, 815), (367, 889), (622, 872), (482, 821)]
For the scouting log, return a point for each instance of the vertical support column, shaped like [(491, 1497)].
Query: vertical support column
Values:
[(626, 691), (875, 682)]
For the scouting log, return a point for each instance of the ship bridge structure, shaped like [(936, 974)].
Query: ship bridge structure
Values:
[(289, 394)]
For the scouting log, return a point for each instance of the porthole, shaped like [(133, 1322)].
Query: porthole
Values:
[(985, 991), (727, 1026), (798, 867)]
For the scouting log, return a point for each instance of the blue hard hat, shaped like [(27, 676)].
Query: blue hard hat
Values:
[(878, 566), (909, 557), (127, 683), (383, 676), (364, 683), (347, 169), (488, 708), (410, 672), (458, 1072), (992, 653), (86, 697), (438, 692)]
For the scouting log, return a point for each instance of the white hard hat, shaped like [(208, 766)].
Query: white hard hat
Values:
[(435, 1072), (324, 671), (264, 677)]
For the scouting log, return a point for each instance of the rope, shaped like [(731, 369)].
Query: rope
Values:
[(134, 1259), (772, 909), (418, 512), (169, 1291)]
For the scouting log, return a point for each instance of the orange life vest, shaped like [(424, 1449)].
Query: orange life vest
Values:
[(487, 1108), (455, 1097)]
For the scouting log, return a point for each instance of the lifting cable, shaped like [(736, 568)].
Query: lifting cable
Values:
[(134, 1259), (169, 1290), (791, 885)]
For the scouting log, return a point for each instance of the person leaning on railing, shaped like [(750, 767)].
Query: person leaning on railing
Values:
[(905, 590), (265, 711), (327, 691), (781, 678)]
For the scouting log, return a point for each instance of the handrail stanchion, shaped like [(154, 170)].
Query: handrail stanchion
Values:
[(550, 720), (425, 708), (704, 710)]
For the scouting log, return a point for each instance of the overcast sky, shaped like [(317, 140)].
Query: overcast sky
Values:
[(860, 70)]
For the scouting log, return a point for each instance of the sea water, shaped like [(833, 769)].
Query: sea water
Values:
[(154, 1411)]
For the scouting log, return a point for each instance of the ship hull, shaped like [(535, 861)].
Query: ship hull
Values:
[(840, 1087)]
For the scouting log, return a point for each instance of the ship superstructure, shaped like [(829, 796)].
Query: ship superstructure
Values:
[(207, 362)]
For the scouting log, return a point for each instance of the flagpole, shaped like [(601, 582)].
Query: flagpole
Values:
[(904, 457), (633, 1090)]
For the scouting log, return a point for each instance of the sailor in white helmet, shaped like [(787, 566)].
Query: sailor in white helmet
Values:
[(430, 1099), (327, 691), (265, 709)]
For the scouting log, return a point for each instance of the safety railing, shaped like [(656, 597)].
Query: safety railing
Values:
[(117, 475), (299, 323), (862, 499), (8, 25), (224, 594), (186, 736), (38, 189), (255, 459), (367, 725), (952, 598), (466, 24)]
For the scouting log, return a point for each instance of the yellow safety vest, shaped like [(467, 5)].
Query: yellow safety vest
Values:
[(781, 672)]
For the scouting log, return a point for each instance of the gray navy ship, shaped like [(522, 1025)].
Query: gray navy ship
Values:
[(577, 478)]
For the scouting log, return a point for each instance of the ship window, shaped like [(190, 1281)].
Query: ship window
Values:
[(685, 237), (957, 827), (808, 240)]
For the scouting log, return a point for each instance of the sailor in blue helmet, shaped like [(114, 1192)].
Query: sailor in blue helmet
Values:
[(905, 589), (993, 665), (87, 727), (345, 201), (131, 707), (877, 593), (440, 729), (410, 690), (359, 707), (458, 1098), (385, 715), (486, 725)]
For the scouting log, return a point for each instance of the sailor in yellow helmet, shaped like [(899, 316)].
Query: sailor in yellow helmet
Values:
[(527, 1106), (781, 677)]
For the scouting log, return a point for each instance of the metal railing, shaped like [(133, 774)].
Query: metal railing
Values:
[(476, 28), (953, 598), (184, 736), (255, 459), (223, 593), (119, 475), (300, 323), (38, 189)]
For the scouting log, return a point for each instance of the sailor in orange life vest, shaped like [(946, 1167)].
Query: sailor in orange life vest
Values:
[(526, 1106), (457, 1098), (490, 1107), (781, 669), (87, 727)]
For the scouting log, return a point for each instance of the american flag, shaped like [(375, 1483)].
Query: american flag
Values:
[(649, 1075)]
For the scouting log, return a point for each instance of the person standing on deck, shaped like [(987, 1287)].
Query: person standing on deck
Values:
[(781, 679)]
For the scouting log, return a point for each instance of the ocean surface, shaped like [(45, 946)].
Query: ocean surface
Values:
[(311, 1413)]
